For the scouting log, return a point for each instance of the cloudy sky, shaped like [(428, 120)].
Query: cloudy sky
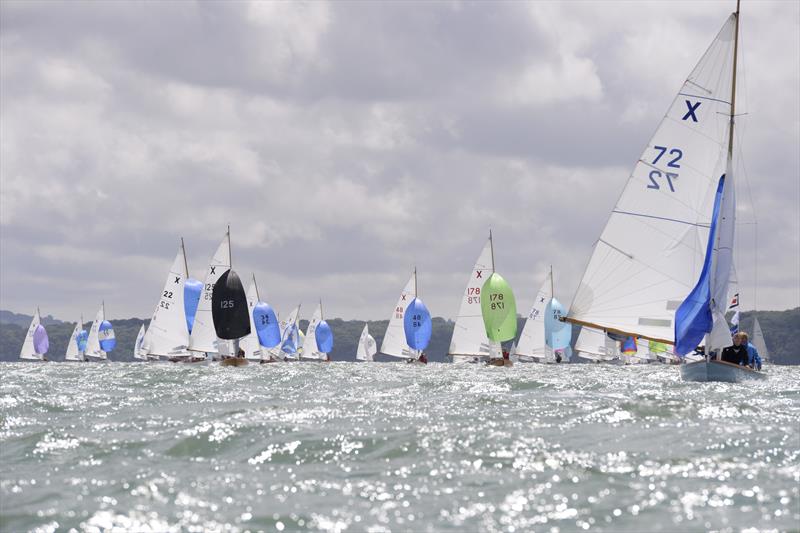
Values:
[(347, 142)]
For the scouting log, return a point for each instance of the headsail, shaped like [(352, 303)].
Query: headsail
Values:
[(168, 333), (394, 341), (469, 335), (759, 342), (139, 351), (651, 250), (203, 337)]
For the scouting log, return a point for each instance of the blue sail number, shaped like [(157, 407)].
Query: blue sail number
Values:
[(677, 154)]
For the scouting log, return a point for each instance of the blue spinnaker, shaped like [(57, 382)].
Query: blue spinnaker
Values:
[(267, 327), (417, 325), (289, 344), (324, 337), (40, 341), (693, 318), (192, 290), (106, 335), (82, 339), (557, 334)]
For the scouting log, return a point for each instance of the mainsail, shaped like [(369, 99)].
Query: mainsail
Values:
[(532, 339), (469, 335), (204, 337), (652, 248), (250, 345), (394, 340), (310, 349), (168, 333)]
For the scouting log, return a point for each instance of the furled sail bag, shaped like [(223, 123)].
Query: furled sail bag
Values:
[(106, 336), (229, 307), (417, 325)]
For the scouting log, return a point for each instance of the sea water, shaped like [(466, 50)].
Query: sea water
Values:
[(395, 447)]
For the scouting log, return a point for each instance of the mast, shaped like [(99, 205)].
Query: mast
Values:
[(185, 264), (320, 309), (415, 281), (491, 247), (230, 258), (258, 297), (552, 284), (733, 84)]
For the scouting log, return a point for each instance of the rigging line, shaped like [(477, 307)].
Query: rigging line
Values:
[(705, 97), (697, 224)]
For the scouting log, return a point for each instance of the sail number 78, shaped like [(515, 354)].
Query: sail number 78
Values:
[(675, 155)]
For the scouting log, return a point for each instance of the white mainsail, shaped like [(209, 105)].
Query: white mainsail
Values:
[(469, 339), (73, 352), (310, 350), (250, 344), (366, 346), (759, 342), (204, 336), (28, 353), (651, 251), (139, 351), (168, 335), (394, 340), (93, 343), (532, 342)]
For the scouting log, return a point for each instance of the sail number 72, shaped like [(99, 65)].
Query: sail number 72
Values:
[(675, 155)]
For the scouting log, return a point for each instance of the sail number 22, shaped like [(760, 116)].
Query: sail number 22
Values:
[(675, 155)]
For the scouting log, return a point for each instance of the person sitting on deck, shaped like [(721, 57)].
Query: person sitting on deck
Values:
[(753, 357), (736, 354), (423, 358)]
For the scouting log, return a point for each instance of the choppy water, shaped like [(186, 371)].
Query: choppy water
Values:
[(379, 447)]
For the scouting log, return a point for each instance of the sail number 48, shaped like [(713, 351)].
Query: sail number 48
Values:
[(675, 155)]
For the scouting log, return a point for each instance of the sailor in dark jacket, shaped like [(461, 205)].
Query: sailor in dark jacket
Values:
[(736, 354)]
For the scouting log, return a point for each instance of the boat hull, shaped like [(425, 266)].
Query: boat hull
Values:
[(703, 371)]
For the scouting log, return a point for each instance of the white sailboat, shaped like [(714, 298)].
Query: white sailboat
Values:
[(759, 342), (203, 338), (287, 349), (167, 335), (367, 346), (531, 346), (652, 249), (469, 343), (28, 351), (310, 351), (74, 352), (394, 340), (139, 352), (93, 351), (250, 345)]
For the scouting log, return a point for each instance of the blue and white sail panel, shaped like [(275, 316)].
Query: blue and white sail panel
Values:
[(266, 325), (192, 290), (106, 337), (651, 251), (324, 336)]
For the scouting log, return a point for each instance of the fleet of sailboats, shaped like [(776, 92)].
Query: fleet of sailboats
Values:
[(655, 288)]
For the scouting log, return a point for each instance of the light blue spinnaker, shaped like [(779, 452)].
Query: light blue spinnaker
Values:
[(417, 325)]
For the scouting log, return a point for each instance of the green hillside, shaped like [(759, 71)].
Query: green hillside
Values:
[(779, 328)]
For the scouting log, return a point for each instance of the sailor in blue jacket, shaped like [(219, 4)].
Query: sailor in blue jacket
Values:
[(753, 359)]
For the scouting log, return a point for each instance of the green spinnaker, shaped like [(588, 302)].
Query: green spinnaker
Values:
[(658, 348), (499, 309)]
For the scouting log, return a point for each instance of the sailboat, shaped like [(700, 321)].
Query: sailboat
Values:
[(545, 338), (366, 346), (652, 248), (203, 338), (76, 344), (290, 343), (319, 338), (264, 327), (469, 343), (36, 342), (759, 342), (101, 338), (499, 310), (417, 327), (167, 335), (140, 353), (394, 343)]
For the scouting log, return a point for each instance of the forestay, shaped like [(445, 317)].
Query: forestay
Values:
[(168, 332), (651, 251), (469, 335), (394, 340), (204, 336)]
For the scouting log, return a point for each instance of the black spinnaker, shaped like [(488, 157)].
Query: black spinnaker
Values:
[(229, 307)]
